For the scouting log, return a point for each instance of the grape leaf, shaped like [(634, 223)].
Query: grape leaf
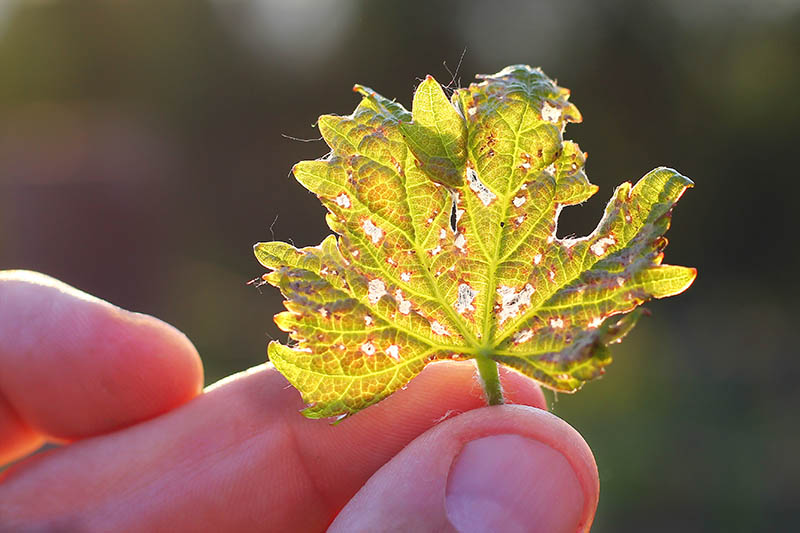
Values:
[(447, 249)]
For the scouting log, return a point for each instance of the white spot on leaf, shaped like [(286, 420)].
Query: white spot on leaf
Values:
[(439, 329), (442, 234), (522, 336), (551, 113), (461, 243), (556, 323), (518, 201), (511, 302), (343, 200), (376, 290), (551, 169), (367, 320), (405, 276), (393, 351), (599, 248), (435, 251), (484, 194), (403, 305), (368, 348), (466, 295), (537, 259), (373, 232), (595, 323)]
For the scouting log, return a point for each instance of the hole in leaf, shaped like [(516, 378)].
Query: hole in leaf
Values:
[(453, 214)]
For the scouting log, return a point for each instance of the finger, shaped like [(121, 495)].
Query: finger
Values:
[(504, 468), (73, 366), (16, 438), (239, 458)]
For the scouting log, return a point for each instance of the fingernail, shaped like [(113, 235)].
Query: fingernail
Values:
[(512, 483)]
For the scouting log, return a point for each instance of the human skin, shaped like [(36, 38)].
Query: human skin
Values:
[(145, 448)]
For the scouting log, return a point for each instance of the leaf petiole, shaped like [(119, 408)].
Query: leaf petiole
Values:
[(487, 370)]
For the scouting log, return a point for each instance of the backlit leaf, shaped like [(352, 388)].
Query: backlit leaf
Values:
[(446, 246)]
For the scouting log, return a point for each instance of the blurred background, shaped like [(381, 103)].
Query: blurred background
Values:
[(144, 149)]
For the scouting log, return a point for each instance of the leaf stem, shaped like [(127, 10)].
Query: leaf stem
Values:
[(487, 370)]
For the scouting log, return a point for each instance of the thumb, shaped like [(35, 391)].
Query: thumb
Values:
[(505, 468)]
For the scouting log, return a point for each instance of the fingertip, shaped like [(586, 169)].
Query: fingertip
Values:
[(510, 482), (154, 365), (501, 468), (528, 471), (75, 366)]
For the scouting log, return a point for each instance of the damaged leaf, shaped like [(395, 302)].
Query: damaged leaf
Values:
[(446, 246)]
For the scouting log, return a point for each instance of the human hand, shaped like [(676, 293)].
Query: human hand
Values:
[(147, 450)]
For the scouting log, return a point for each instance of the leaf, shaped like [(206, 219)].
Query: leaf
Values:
[(447, 248)]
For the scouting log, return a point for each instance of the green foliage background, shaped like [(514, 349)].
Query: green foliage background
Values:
[(141, 156)]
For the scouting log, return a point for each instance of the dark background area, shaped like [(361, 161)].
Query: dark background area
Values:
[(142, 154)]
